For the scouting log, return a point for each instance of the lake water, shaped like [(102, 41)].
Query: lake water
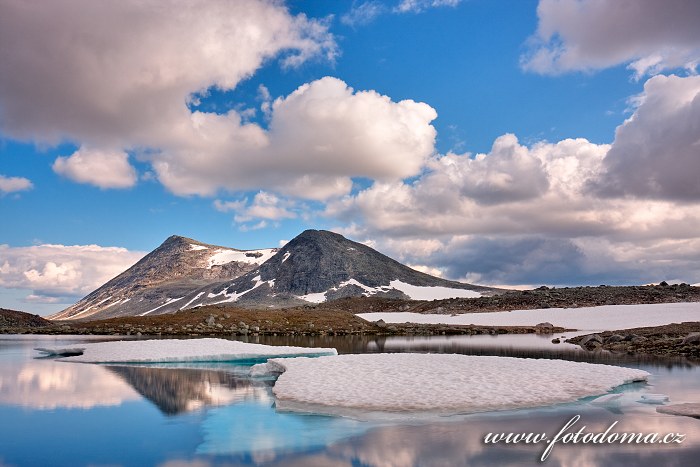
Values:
[(59, 413)]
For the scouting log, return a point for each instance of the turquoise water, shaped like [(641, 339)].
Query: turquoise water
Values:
[(59, 413)]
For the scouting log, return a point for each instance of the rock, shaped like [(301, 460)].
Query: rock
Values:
[(663, 284), (556, 341), (380, 323), (614, 338), (241, 324), (227, 315), (211, 320), (255, 328), (639, 339), (691, 339), (544, 328), (591, 341)]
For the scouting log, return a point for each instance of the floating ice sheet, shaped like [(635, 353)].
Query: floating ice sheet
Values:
[(606, 317), (178, 350), (436, 383)]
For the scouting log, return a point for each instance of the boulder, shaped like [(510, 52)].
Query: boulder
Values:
[(614, 338), (691, 339), (591, 341)]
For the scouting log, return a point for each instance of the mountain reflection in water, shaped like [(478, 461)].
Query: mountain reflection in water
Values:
[(179, 390)]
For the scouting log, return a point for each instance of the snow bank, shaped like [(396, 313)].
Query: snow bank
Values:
[(414, 292), (442, 383), (221, 257), (177, 350), (432, 293), (606, 317)]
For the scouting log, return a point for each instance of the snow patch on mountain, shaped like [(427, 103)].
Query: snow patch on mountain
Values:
[(195, 247), (414, 292), (222, 256), (234, 296), (168, 302)]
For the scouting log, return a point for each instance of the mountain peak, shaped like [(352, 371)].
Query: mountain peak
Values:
[(179, 240)]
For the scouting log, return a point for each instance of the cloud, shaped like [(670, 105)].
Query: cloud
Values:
[(319, 137), (123, 86), (128, 90), (13, 184), (417, 6), (656, 152), (61, 273), (104, 169), (648, 35), (509, 172), (541, 214), (363, 13)]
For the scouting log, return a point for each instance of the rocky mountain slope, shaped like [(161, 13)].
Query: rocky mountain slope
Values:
[(314, 267), (174, 269), (317, 266), (12, 318)]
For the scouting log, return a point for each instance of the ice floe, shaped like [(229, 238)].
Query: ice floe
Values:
[(178, 350), (436, 383), (606, 317), (654, 399)]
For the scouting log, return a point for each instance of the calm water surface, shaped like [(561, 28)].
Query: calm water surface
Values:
[(59, 413)]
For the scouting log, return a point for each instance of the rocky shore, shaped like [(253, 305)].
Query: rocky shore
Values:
[(681, 340)]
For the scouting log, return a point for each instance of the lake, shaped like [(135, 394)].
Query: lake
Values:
[(60, 413)]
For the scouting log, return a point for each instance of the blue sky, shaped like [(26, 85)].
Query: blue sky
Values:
[(551, 74)]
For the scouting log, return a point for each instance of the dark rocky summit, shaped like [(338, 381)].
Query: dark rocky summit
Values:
[(322, 262)]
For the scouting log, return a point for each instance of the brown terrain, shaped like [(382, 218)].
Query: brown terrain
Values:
[(677, 339), (338, 318)]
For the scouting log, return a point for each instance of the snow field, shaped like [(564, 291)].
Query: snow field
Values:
[(442, 383), (178, 350), (608, 317)]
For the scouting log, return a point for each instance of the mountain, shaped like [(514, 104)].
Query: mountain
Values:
[(12, 318), (174, 269), (317, 266), (314, 267)]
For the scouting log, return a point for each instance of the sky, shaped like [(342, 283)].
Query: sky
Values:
[(498, 142)]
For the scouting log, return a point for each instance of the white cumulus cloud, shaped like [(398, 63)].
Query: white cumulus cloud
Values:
[(61, 272), (102, 168), (569, 212), (648, 35), (13, 184), (79, 74), (319, 137), (656, 153)]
